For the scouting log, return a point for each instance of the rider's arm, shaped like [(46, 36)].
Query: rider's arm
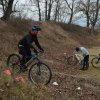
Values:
[(37, 44), (33, 49), (30, 44)]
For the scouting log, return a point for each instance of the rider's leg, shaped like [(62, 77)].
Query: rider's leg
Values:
[(22, 51), (26, 55), (87, 61), (84, 63)]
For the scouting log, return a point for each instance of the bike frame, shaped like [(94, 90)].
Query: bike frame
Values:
[(78, 57), (34, 57), (74, 56)]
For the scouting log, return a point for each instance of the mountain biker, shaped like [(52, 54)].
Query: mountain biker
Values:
[(85, 54), (25, 46)]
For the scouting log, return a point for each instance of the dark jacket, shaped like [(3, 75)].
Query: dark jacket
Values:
[(27, 41)]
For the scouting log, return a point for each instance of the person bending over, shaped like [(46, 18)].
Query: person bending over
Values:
[(85, 54)]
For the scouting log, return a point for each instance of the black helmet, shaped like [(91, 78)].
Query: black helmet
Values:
[(77, 48), (36, 27)]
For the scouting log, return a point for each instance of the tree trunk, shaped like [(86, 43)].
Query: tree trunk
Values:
[(56, 11), (71, 16), (8, 11), (88, 23), (46, 10), (71, 7), (39, 10), (87, 13), (49, 11)]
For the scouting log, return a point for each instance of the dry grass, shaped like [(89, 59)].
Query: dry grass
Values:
[(12, 90), (55, 39), (81, 34), (53, 36)]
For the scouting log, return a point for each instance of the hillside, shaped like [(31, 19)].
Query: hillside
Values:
[(81, 34), (8, 39), (56, 38), (67, 36)]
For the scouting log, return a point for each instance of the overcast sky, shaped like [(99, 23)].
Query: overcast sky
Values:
[(29, 14)]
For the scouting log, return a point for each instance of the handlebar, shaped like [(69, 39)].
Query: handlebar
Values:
[(34, 55)]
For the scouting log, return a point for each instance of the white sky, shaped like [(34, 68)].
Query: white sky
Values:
[(29, 14)]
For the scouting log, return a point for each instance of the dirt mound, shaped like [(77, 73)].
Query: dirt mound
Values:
[(8, 38), (55, 37), (52, 37), (80, 34)]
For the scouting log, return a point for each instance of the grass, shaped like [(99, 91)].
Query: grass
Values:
[(10, 89), (55, 40), (13, 90)]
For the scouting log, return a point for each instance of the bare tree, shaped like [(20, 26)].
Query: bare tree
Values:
[(46, 4), (84, 6), (94, 13), (91, 11), (56, 12), (60, 11), (37, 3), (87, 12), (71, 7), (4, 4), (48, 9), (7, 8)]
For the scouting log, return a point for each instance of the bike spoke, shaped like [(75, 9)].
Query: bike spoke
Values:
[(40, 74)]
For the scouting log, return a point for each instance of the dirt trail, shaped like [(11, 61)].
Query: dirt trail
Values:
[(69, 78)]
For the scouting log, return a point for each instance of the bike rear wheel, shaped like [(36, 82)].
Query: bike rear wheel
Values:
[(13, 62), (96, 62), (40, 73), (72, 60)]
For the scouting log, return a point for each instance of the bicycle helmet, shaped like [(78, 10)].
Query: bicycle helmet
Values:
[(36, 27), (77, 48)]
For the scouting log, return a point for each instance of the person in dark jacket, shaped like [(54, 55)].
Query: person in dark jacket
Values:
[(25, 45)]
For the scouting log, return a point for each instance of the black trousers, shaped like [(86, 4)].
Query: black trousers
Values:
[(86, 62), (26, 55)]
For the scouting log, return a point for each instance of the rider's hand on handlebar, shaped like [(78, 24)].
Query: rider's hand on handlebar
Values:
[(41, 51)]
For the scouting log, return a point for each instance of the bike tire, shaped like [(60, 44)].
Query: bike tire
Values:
[(36, 70), (13, 64), (96, 62), (72, 60)]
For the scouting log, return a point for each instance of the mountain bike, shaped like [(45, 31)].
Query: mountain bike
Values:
[(73, 59), (96, 61), (39, 72)]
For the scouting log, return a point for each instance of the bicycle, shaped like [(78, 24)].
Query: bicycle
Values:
[(38, 72), (96, 61), (73, 59)]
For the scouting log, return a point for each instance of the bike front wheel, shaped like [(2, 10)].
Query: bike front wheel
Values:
[(40, 73), (72, 60), (96, 62)]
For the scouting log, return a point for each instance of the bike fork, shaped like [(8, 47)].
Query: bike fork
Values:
[(38, 71)]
